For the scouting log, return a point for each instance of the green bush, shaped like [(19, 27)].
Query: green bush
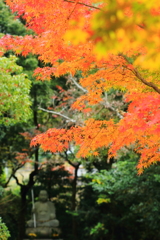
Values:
[(4, 233)]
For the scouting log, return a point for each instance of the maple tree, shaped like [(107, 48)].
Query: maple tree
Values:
[(114, 44)]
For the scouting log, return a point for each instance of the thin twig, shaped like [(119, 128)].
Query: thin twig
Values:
[(73, 79), (110, 107), (12, 174), (90, 6), (59, 114)]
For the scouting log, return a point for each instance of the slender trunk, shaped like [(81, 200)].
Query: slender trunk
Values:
[(31, 181), (22, 214), (23, 193), (73, 201), (35, 116)]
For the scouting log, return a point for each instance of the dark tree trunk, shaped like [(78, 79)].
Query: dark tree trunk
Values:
[(22, 214), (73, 201), (23, 193)]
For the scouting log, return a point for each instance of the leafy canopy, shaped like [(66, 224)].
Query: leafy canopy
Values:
[(120, 39), (14, 92)]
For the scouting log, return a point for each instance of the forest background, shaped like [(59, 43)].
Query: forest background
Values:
[(80, 79)]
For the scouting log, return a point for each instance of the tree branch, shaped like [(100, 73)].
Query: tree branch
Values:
[(139, 76), (110, 107), (83, 4), (105, 103), (73, 79), (149, 84), (59, 114), (73, 164), (66, 158), (12, 174), (17, 181)]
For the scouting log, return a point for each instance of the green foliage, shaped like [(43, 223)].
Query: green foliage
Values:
[(8, 23), (130, 203), (9, 209), (1, 191), (4, 233), (11, 142), (14, 92), (98, 230), (103, 199)]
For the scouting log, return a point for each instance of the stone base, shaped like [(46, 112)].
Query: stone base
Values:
[(45, 232)]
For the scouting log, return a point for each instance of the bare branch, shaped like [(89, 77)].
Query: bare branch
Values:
[(110, 107), (73, 164), (105, 102), (59, 114), (73, 79), (12, 174), (17, 181), (66, 158), (71, 151), (90, 6)]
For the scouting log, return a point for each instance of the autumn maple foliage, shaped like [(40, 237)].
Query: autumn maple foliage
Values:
[(120, 41)]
